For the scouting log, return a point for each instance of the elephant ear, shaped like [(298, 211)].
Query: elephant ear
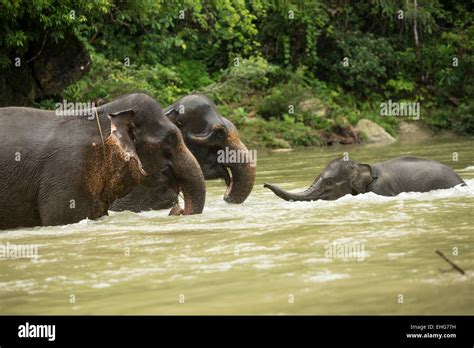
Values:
[(172, 112), (361, 177), (229, 125), (124, 135)]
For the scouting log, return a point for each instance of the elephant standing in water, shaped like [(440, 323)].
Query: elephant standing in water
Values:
[(206, 134), (389, 178), (61, 169)]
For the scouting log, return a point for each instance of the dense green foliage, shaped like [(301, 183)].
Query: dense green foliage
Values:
[(24, 22), (263, 61)]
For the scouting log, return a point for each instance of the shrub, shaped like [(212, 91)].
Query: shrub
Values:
[(370, 61), (241, 81)]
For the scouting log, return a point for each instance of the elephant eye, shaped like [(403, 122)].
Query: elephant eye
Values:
[(179, 124), (329, 181), (220, 133)]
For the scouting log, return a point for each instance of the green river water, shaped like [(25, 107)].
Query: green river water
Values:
[(266, 256)]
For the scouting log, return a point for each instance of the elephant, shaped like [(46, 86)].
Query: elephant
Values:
[(207, 135), (389, 178), (60, 168)]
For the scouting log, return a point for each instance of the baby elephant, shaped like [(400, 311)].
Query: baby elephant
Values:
[(389, 178)]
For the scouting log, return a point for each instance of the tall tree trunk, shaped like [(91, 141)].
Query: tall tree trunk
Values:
[(415, 29)]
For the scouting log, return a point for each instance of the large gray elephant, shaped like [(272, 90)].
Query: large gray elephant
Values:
[(389, 178), (59, 169), (207, 135)]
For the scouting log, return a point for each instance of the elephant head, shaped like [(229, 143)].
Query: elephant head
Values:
[(209, 135), (339, 178), (145, 134)]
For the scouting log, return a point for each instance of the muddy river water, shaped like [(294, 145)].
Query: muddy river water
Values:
[(363, 254)]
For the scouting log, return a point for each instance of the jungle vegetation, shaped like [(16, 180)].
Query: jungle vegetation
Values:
[(281, 70)]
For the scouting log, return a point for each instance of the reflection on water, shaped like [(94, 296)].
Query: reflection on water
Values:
[(265, 256)]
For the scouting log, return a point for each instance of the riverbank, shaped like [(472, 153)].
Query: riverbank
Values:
[(277, 108)]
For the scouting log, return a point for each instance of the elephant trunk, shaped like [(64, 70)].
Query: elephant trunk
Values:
[(243, 172), (191, 181), (310, 194)]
